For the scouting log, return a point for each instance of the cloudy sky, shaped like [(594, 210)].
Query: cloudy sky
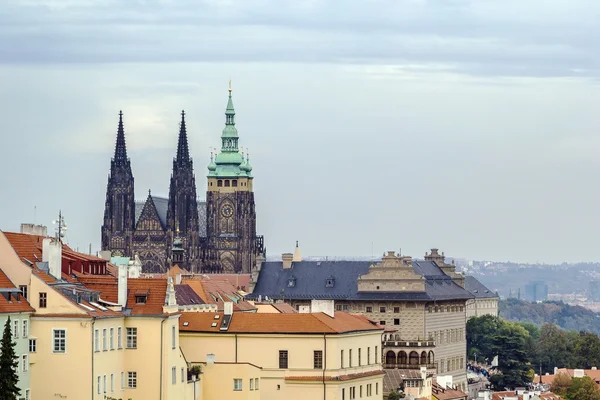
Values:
[(468, 125)]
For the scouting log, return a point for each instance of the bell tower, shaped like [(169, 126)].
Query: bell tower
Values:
[(231, 217)]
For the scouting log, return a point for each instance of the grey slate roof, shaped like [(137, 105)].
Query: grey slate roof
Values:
[(162, 205), (310, 278), (476, 288), (185, 296)]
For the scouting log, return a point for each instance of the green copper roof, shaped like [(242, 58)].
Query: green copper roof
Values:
[(229, 162)]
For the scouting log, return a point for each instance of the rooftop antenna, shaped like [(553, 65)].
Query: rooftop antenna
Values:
[(61, 229), (34, 214)]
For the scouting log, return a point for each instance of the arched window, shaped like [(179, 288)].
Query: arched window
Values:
[(413, 358), (423, 358), (402, 358), (390, 358)]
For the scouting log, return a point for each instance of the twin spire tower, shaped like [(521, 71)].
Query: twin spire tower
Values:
[(216, 235)]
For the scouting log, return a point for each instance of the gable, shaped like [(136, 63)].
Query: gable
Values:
[(149, 219)]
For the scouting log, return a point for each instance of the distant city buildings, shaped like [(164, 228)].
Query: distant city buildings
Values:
[(536, 291)]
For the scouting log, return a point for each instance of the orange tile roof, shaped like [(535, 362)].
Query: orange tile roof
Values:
[(442, 393), (509, 394), (218, 292), (17, 302), (26, 246), (109, 291), (284, 308), (277, 323)]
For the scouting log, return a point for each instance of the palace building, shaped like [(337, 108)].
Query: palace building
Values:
[(216, 235)]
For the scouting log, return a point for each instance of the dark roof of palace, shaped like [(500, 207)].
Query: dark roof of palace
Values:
[(310, 279), (162, 205), (477, 289)]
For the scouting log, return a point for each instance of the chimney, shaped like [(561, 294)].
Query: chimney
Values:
[(178, 279), (297, 256), (210, 358), (52, 254), (287, 259), (122, 285), (555, 370), (228, 310), (324, 306)]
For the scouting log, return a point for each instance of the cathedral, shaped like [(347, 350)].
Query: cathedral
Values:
[(216, 235)]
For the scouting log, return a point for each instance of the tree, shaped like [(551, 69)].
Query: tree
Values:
[(561, 384), (8, 366), (583, 389)]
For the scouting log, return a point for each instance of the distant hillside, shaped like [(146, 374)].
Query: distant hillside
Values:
[(574, 318)]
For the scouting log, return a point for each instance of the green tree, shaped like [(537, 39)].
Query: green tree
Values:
[(8, 366), (561, 384), (552, 348), (583, 389), (510, 340)]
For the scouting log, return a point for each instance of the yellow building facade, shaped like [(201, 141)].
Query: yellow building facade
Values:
[(84, 345), (294, 356)]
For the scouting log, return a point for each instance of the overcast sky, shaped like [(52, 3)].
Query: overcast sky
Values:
[(468, 125)]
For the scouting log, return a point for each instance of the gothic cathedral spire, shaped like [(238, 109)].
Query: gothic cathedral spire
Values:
[(119, 207), (120, 157), (182, 212), (183, 152)]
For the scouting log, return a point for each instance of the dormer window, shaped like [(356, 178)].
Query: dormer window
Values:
[(141, 299), (330, 282), (292, 281), (141, 296)]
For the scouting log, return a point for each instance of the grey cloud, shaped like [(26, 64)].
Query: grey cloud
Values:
[(504, 38)]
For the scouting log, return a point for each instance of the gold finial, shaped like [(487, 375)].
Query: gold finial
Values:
[(177, 231), (230, 86)]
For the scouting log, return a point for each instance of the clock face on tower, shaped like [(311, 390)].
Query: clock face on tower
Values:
[(227, 210)]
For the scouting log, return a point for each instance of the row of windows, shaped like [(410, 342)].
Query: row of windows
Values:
[(360, 360), (352, 391), (110, 339), (130, 382), (238, 384), (20, 329), (448, 308), (396, 321), (451, 364), (174, 375), (318, 358), (228, 183), (448, 336)]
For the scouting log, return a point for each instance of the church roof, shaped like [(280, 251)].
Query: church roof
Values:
[(162, 205), (477, 289), (310, 277)]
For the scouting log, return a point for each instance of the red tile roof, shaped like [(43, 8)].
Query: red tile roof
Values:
[(107, 285), (316, 323), (218, 292), (17, 302), (441, 393)]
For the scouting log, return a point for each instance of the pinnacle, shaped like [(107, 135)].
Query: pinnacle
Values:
[(183, 153), (120, 146)]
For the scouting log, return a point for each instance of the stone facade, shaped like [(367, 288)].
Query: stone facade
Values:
[(422, 304)]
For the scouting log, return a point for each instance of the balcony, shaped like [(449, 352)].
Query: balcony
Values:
[(409, 359)]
